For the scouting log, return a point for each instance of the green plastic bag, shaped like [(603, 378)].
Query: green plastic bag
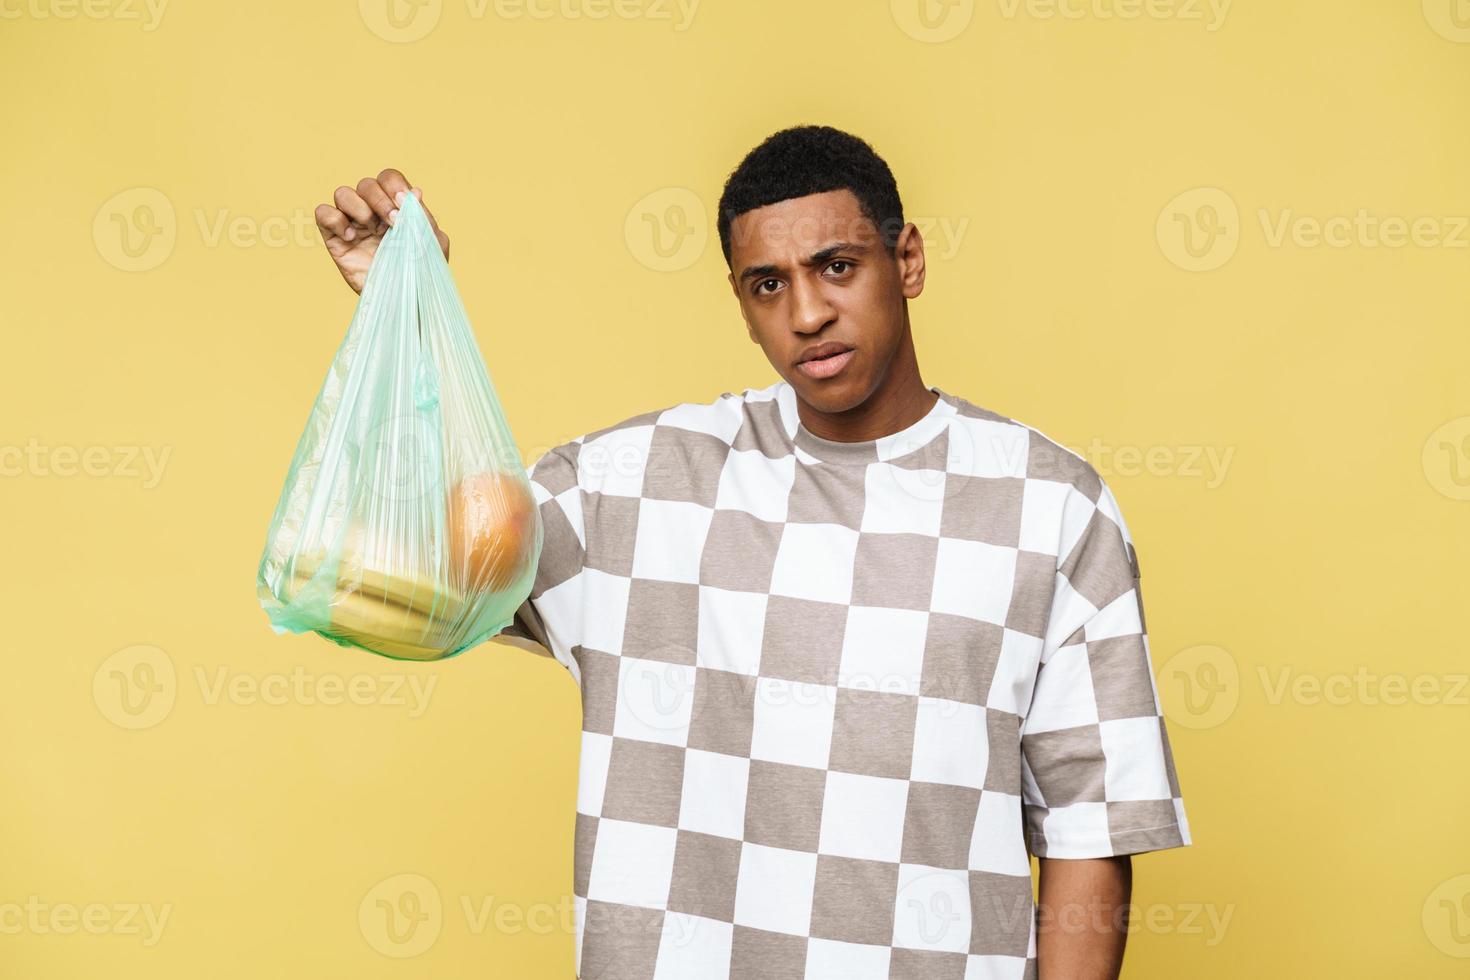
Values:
[(407, 524)]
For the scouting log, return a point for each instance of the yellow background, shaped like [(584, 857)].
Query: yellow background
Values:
[(1330, 838)]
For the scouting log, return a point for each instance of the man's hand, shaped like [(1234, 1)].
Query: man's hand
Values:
[(1083, 912), (354, 228)]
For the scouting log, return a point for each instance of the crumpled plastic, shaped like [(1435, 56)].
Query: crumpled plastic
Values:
[(407, 525)]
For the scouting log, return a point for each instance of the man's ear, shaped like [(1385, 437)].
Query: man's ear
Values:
[(908, 252)]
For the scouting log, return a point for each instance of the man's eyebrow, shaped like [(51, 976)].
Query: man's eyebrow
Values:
[(816, 258)]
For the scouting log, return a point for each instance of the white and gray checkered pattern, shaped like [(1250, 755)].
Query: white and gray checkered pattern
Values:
[(834, 693)]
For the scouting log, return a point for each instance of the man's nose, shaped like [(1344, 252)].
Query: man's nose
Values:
[(810, 308)]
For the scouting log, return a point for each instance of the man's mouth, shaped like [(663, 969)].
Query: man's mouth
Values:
[(825, 360)]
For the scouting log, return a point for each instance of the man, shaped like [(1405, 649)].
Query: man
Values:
[(850, 647)]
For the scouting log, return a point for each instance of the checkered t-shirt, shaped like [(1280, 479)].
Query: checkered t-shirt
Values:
[(836, 693)]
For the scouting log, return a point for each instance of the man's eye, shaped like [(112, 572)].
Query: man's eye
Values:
[(842, 262), (765, 282)]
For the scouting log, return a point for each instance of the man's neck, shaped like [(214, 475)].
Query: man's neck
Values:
[(895, 405)]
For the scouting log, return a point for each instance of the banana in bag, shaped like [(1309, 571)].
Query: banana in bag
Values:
[(406, 526)]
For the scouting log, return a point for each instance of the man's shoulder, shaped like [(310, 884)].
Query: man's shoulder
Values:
[(981, 439), (1018, 448), (720, 418)]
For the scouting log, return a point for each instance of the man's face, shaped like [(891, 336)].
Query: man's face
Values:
[(813, 271)]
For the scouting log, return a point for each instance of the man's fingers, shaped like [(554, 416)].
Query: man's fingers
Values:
[(350, 203), (374, 199), (393, 184), (377, 198), (331, 222), (392, 181)]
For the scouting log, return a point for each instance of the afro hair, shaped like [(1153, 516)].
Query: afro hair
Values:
[(807, 160)]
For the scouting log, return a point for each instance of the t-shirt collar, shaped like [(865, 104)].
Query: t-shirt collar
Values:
[(813, 448)]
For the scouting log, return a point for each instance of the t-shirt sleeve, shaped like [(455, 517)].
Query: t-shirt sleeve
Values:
[(551, 616), (1098, 776)]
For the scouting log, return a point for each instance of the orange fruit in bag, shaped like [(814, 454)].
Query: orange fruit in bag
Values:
[(492, 530)]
